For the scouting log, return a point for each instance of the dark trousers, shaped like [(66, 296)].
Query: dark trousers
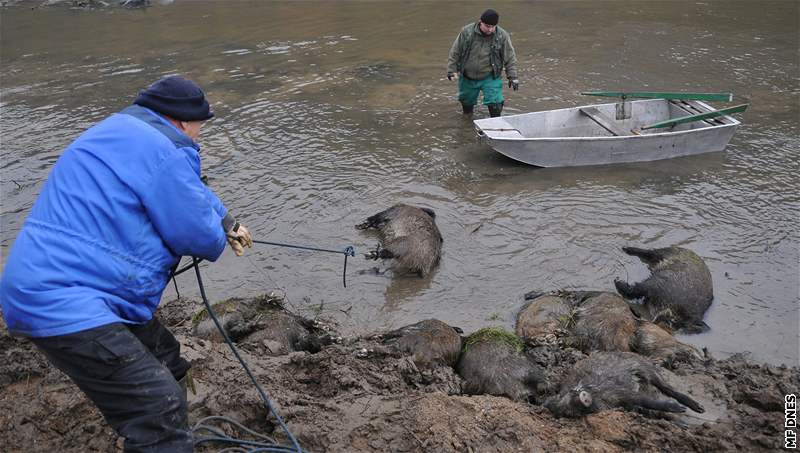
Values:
[(130, 372)]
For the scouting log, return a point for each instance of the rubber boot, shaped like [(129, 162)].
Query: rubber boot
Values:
[(187, 383), (467, 109), (495, 109)]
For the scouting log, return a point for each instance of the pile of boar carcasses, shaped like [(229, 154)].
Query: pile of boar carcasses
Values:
[(575, 352)]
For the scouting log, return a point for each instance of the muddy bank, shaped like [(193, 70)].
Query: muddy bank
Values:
[(358, 395)]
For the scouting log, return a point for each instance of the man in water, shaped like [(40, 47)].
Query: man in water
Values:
[(479, 54), (122, 204)]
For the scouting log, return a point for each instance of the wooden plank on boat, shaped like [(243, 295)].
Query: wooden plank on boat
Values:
[(698, 117), (604, 121), (692, 109), (724, 97)]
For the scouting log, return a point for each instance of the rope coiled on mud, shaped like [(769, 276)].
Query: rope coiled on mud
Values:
[(266, 444)]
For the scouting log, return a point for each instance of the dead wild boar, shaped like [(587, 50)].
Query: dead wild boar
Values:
[(430, 342), (653, 341), (262, 321), (596, 321), (408, 235), (544, 317), (493, 363), (604, 322), (586, 320), (609, 380), (678, 291)]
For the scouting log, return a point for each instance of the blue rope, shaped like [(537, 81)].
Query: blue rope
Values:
[(348, 251)]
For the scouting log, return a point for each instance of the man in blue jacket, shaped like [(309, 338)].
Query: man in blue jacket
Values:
[(123, 203)]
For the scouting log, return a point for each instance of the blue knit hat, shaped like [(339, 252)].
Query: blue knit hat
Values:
[(176, 98)]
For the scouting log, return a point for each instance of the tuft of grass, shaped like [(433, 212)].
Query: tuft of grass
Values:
[(269, 301), (494, 334), (568, 320)]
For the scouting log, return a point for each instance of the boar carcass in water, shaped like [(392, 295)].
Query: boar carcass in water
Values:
[(409, 236), (678, 291)]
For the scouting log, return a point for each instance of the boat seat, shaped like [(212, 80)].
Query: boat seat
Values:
[(501, 129), (604, 121)]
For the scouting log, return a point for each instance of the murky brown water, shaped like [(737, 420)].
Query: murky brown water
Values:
[(328, 112)]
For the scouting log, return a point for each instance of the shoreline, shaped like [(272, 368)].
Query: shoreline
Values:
[(355, 395)]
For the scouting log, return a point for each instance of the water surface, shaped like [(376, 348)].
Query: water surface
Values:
[(328, 112)]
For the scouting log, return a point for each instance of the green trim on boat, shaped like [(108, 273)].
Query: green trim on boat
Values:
[(724, 97), (698, 117)]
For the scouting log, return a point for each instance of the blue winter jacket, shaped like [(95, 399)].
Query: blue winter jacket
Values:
[(123, 203)]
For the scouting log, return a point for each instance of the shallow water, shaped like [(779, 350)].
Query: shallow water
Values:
[(328, 112)]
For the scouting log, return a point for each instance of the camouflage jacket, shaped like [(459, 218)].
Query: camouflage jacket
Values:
[(466, 52)]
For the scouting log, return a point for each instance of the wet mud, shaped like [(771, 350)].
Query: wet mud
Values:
[(360, 395)]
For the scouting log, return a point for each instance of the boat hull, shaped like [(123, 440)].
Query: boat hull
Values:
[(503, 137)]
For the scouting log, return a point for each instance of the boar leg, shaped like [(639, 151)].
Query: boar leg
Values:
[(533, 294), (375, 221), (646, 255), (379, 253), (371, 222), (630, 292), (654, 404), (680, 397)]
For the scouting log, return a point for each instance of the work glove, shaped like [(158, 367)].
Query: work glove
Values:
[(514, 84), (450, 76), (239, 238)]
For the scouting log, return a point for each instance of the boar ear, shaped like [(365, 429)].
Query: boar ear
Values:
[(585, 398), (430, 212)]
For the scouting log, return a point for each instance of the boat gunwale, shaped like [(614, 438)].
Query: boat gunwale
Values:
[(734, 122)]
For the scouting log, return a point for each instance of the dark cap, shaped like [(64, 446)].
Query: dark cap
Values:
[(490, 17), (176, 98)]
